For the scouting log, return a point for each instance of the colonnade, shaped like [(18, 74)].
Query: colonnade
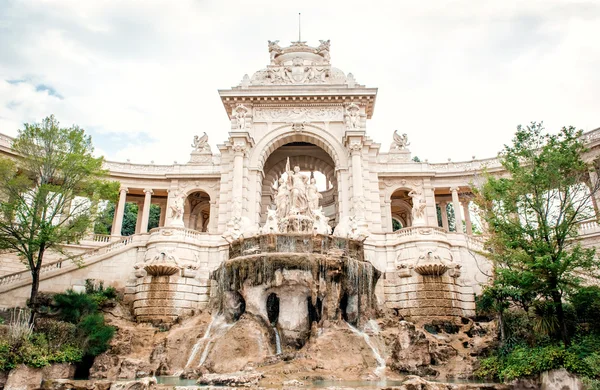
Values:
[(143, 216)]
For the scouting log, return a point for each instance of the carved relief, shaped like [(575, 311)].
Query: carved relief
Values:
[(353, 120), (243, 117), (298, 113)]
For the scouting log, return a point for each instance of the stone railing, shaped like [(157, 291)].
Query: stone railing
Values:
[(588, 227), (421, 231), (103, 238), (79, 260), (475, 243)]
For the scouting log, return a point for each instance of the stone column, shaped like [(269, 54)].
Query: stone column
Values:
[(358, 199), (146, 210), (65, 212), (212, 217), (163, 214), (138, 221), (388, 213), (444, 213), (120, 210), (456, 207), (93, 214), (593, 186), (468, 226), (238, 176)]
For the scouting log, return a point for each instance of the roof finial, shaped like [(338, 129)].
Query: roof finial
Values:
[(299, 31)]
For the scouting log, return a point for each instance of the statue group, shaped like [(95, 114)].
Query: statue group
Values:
[(297, 205)]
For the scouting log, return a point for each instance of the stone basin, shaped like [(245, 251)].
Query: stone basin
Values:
[(161, 269), (435, 269)]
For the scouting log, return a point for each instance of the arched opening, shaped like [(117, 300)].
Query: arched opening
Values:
[(401, 209), (273, 308), (197, 211), (314, 162), (397, 223), (314, 311)]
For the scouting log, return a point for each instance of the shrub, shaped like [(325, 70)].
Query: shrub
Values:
[(582, 358), (72, 306), (95, 333)]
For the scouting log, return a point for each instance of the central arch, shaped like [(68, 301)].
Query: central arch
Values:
[(311, 134), (324, 154)]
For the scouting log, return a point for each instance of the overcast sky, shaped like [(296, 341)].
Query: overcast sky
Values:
[(456, 76)]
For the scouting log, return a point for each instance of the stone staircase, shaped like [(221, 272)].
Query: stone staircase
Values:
[(52, 268)]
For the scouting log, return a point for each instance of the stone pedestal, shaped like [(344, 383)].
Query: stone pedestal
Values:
[(200, 157), (165, 298)]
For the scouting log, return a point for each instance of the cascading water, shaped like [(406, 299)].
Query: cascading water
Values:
[(199, 343), (380, 370), (216, 329), (277, 341)]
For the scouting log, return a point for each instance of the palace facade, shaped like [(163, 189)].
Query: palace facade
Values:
[(299, 111)]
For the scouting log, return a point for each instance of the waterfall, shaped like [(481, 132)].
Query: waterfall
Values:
[(380, 370), (216, 329), (199, 343), (277, 341)]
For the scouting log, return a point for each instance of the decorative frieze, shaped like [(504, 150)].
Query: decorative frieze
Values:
[(295, 114)]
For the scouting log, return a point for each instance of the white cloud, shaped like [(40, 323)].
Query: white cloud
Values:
[(457, 76)]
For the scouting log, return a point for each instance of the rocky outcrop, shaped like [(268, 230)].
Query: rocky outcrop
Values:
[(559, 380), (24, 378), (235, 379), (248, 341), (70, 384), (58, 371), (409, 350)]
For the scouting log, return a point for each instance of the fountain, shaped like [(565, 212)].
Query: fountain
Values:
[(295, 274)]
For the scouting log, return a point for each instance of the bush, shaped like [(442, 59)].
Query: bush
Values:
[(586, 303), (95, 333), (72, 306), (582, 358), (79, 330)]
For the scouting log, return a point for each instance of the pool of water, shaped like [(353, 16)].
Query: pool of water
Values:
[(175, 381), (354, 384)]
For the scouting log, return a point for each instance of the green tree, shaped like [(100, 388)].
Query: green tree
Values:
[(533, 215), (49, 192)]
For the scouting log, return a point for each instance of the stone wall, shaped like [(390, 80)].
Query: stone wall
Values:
[(416, 296), (165, 298)]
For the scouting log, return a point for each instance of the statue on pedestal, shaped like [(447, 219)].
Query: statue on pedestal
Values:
[(418, 209), (297, 205)]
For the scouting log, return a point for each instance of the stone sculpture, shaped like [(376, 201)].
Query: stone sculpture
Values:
[(176, 209), (418, 209), (282, 199), (353, 112), (313, 194), (241, 116), (200, 144), (400, 141), (296, 205), (298, 194)]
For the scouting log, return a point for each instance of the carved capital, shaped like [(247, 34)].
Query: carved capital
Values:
[(240, 149), (124, 189), (355, 148), (148, 190), (455, 189)]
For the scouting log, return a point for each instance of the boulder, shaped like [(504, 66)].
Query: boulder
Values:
[(59, 371), (139, 384), (24, 378), (409, 350), (70, 384), (248, 341), (235, 379), (560, 379)]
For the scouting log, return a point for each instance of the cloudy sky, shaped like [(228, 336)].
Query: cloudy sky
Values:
[(456, 76)]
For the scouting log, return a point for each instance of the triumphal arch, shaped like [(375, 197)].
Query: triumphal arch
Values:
[(297, 172)]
